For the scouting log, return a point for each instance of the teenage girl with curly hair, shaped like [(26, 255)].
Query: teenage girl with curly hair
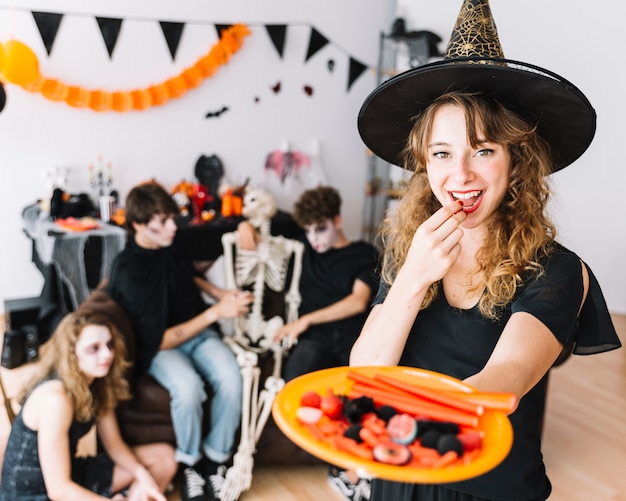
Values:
[(79, 382)]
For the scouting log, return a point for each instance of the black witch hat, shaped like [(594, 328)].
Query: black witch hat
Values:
[(474, 62)]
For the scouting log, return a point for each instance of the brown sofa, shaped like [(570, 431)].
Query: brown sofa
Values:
[(146, 418)]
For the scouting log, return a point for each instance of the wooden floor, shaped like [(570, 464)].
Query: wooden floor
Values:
[(584, 436)]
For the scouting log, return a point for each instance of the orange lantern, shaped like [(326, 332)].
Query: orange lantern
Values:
[(36, 85), (21, 65)]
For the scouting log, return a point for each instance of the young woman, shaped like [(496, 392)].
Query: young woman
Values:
[(474, 284), (79, 383)]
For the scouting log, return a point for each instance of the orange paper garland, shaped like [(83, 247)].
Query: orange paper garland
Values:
[(19, 65)]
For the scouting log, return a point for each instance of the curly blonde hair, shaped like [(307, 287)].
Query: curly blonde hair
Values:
[(520, 235), (59, 360)]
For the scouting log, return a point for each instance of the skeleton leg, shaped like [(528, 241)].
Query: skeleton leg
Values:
[(273, 384), (239, 475)]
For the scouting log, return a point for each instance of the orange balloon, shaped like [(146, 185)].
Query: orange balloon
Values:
[(121, 101), (54, 90), (2, 57), (77, 97), (35, 85), (21, 66), (142, 99), (100, 100)]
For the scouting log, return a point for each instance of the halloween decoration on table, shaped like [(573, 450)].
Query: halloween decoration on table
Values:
[(21, 67), (265, 271), (182, 193), (209, 171)]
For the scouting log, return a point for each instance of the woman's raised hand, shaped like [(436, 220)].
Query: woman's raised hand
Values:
[(436, 244)]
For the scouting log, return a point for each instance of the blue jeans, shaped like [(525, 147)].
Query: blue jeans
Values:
[(183, 371)]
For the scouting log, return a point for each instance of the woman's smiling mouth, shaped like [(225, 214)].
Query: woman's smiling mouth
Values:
[(470, 199)]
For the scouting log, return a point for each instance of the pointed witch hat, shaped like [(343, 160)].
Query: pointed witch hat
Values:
[(474, 62)]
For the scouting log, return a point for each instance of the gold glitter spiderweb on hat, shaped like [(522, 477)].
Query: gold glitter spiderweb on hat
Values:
[(475, 33)]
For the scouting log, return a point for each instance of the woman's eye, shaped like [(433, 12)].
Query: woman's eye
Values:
[(441, 154), (484, 152)]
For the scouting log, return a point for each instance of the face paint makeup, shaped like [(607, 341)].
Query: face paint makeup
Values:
[(322, 236)]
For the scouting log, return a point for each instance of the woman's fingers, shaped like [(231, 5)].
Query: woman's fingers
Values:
[(436, 244), (447, 213)]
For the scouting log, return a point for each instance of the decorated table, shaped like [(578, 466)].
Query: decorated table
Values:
[(74, 255)]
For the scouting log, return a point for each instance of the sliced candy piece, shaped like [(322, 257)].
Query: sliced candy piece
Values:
[(389, 452), (309, 415), (402, 429)]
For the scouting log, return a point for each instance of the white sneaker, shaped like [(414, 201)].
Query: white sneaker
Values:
[(339, 481), (215, 483), (193, 486)]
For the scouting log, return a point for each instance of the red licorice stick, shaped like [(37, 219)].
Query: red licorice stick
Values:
[(489, 400), (440, 397), (414, 406), (315, 431), (448, 458), (499, 401)]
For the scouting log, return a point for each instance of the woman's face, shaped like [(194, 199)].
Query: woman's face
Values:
[(94, 351), (322, 236), (477, 176)]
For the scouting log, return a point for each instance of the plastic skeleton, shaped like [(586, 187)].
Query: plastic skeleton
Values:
[(265, 266)]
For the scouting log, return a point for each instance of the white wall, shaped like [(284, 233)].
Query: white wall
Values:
[(165, 142), (583, 43)]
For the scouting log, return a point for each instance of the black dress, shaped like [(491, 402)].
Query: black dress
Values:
[(22, 479), (459, 342)]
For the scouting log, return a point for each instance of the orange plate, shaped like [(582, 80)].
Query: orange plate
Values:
[(497, 441)]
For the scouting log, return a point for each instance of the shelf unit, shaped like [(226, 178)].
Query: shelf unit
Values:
[(397, 53)]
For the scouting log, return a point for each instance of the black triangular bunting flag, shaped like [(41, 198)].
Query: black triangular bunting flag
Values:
[(110, 29), (172, 33), (277, 33), (316, 42), (48, 24), (356, 68), (221, 27)]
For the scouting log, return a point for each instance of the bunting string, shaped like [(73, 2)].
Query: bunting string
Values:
[(19, 64)]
